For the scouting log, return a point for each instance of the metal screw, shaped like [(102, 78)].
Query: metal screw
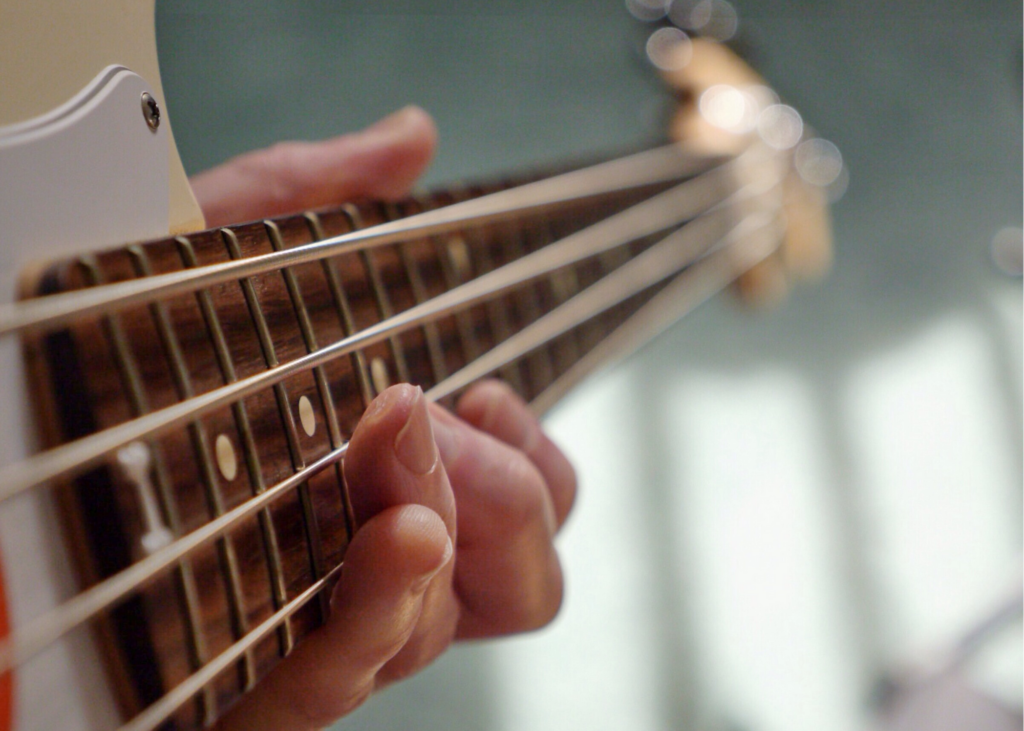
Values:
[(151, 111)]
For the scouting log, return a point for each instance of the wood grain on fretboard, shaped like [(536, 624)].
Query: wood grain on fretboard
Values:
[(104, 371)]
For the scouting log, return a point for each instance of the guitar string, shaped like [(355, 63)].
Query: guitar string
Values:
[(713, 272), (668, 256), (663, 164), (683, 202), (203, 676), (675, 251), (170, 702), (682, 295)]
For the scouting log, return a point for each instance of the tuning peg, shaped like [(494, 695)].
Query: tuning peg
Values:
[(714, 19), (820, 163), (648, 11), (669, 49)]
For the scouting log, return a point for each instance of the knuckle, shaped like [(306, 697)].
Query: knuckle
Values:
[(434, 634), (544, 614), (542, 602), (281, 157), (491, 405), (276, 170), (526, 503), (329, 704), (565, 491)]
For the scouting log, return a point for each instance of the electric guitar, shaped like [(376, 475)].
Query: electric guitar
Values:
[(168, 532)]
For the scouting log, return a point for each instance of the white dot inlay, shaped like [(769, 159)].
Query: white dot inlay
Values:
[(379, 374), (226, 460), (458, 251), (307, 416)]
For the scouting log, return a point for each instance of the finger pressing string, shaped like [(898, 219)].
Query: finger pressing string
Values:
[(376, 608), (393, 460)]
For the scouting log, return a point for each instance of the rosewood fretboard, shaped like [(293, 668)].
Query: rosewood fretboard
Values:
[(107, 370)]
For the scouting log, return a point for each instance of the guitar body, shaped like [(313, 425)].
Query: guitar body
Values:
[(88, 163), (70, 109)]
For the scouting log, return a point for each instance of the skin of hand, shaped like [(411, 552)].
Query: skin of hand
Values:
[(456, 514)]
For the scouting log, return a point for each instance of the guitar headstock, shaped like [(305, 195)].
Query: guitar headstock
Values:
[(725, 108)]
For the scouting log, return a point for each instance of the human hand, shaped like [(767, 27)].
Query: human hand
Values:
[(455, 514), (381, 161), (456, 518)]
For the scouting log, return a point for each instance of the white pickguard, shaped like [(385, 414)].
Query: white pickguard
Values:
[(88, 174)]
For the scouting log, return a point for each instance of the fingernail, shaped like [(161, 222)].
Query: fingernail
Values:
[(446, 439), (380, 405), (414, 444), (449, 551), (517, 425), (420, 585)]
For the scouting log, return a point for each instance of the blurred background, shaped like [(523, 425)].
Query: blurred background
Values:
[(796, 519)]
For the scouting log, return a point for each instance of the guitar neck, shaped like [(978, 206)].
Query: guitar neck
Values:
[(276, 369)]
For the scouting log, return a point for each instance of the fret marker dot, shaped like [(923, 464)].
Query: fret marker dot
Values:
[(379, 374), (307, 416), (565, 283), (226, 460), (459, 253)]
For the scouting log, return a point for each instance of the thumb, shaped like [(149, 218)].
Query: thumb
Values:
[(381, 161), (375, 608)]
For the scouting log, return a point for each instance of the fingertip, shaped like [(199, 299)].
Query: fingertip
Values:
[(492, 406), (411, 120), (375, 608), (424, 536), (393, 459), (419, 125), (401, 147), (393, 404), (381, 161), (482, 393)]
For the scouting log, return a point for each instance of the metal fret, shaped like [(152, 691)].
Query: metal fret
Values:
[(658, 213), (200, 447), (380, 294), (348, 325), (684, 250), (497, 316), (183, 573), (563, 284), (455, 268), (163, 709), (309, 519), (539, 366), (268, 534), (319, 372), (684, 293), (430, 331), (419, 292), (607, 262), (655, 166), (25, 642)]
